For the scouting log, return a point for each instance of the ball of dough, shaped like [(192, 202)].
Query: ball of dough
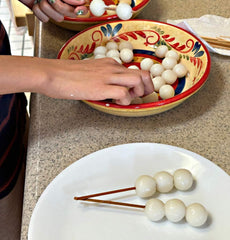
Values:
[(166, 91), (146, 64), (97, 7), (196, 215), (158, 82), (169, 63), (180, 70), (161, 51), (145, 186), (100, 50), (183, 179), (126, 55), (113, 53), (175, 210), (156, 69), (164, 181), (124, 11), (169, 76), (133, 67), (154, 209), (111, 45), (125, 44), (172, 54)]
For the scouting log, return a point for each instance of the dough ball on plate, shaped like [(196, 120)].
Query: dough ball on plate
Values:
[(156, 69), (183, 179), (154, 209), (180, 70), (97, 7), (169, 76), (100, 50), (172, 54), (196, 215), (113, 53), (158, 82), (169, 63), (111, 45), (164, 181), (145, 186), (175, 210), (126, 55), (146, 64)]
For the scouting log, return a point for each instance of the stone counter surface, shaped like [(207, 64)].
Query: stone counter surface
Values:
[(63, 131)]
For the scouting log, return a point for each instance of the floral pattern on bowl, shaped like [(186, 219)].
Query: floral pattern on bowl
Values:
[(145, 36)]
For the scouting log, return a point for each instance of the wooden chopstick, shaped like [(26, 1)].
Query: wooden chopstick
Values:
[(104, 193), (217, 42), (111, 202)]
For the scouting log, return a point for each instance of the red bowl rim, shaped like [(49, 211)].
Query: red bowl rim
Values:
[(160, 103), (104, 18)]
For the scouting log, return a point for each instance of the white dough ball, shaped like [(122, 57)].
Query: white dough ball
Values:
[(154, 209), (117, 59), (180, 70), (133, 67), (145, 186), (172, 54), (124, 11), (152, 97), (169, 63), (97, 7), (196, 215), (137, 100), (166, 91), (156, 69), (126, 55), (111, 45), (175, 210), (100, 50), (113, 53), (99, 56), (158, 82), (161, 51), (183, 179), (146, 64), (164, 181), (169, 76), (125, 44)]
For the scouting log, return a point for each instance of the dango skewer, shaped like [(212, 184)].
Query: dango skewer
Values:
[(174, 210), (146, 186)]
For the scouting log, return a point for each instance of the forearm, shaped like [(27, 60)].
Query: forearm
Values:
[(20, 74)]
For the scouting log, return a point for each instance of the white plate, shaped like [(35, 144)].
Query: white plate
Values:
[(57, 216)]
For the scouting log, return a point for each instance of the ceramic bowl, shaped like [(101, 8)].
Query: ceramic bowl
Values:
[(145, 36), (80, 23)]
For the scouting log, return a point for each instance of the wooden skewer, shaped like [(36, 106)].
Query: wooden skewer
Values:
[(217, 42), (104, 193), (112, 202)]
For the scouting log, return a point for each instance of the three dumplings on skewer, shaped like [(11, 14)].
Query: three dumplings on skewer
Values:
[(155, 210)]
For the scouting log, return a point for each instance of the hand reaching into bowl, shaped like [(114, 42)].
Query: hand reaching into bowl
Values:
[(95, 79), (57, 9)]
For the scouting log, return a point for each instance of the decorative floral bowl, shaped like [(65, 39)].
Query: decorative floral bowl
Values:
[(145, 36), (80, 23)]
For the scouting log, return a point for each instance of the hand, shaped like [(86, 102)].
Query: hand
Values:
[(96, 80), (57, 9)]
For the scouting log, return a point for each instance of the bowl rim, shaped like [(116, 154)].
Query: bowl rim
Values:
[(180, 97), (104, 18)]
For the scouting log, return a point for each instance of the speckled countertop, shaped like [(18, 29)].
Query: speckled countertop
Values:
[(62, 131)]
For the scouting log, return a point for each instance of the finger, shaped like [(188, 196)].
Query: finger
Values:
[(39, 13), (75, 2), (130, 80), (82, 11), (148, 83), (63, 8), (50, 11)]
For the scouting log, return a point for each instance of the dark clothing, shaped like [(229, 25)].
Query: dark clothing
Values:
[(13, 117)]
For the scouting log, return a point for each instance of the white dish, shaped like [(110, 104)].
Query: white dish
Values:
[(57, 216)]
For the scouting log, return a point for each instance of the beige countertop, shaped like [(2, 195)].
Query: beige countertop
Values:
[(62, 131)]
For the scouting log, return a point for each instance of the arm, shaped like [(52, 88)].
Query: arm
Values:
[(69, 79)]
